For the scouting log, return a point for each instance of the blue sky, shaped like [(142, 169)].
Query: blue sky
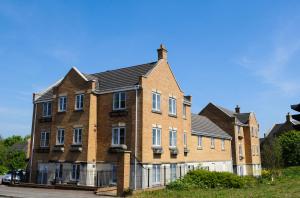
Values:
[(226, 52)]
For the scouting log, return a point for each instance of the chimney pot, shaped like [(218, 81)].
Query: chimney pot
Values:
[(162, 52), (237, 109)]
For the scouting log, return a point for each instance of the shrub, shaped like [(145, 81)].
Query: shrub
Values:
[(207, 179), (290, 143)]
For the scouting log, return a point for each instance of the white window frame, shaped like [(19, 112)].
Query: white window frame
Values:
[(44, 142), (62, 103), (156, 101), (199, 142), (75, 174), (156, 170), (60, 136), (172, 138), (185, 139), (118, 133), (79, 101), (172, 106), (156, 136), (223, 144), (47, 109), (212, 142), (240, 151), (173, 172), (77, 136), (117, 105)]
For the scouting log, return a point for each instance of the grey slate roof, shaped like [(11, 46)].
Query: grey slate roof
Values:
[(124, 77), (241, 118), (108, 80), (201, 125)]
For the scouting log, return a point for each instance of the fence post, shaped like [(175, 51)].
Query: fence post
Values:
[(123, 173)]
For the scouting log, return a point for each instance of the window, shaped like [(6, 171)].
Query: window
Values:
[(79, 102), (77, 136), (156, 174), (173, 172), (173, 138), (239, 130), (44, 141), (252, 132), (58, 171), (199, 141), (184, 139), (212, 142), (114, 174), (172, 106), (118, 136), (60, 137), (62, 103), (47, 108), (155, 101), (119, 101), (240, 151), (257, 150), (76, 172), (156, 136), (223, 144), (184, 111)]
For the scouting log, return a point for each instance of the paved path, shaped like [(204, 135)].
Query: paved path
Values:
[(21, 192)]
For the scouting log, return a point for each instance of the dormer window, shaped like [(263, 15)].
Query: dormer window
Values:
[(119, 101), (47, 109)]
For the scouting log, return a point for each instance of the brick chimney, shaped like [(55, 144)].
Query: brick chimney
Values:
[(162, 52), (237, 109), (288, 117)]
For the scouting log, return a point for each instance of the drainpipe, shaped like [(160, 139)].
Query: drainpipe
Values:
[(32, 136), (136, 133)]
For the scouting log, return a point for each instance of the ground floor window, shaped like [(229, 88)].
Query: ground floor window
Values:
[(156, 174), (173, 172), (75, 172), (58, 171), (114, 174)]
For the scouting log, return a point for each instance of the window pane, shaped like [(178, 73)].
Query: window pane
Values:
[(122, 136), (170, 138), (170, 105), (115, 136), (153, 136), (116, 101), (154, 101), (78, 172), (158, 101), (158, 136), (123, 100)]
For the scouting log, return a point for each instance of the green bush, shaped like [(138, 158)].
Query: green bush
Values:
[(207, 179)]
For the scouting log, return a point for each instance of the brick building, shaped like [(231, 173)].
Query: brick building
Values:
[(84, 121), (244, 130)]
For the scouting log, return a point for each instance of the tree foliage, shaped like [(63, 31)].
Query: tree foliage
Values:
[(9, 157), (271, 154), (290, 145)]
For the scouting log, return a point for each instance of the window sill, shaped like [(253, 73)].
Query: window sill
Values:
[(76, 148), (42, 150), (173, 115), (61, 112), (78, 110), (199, 148), (118, 148), (157, 112)]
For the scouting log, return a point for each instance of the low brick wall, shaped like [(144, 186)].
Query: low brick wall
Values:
[(57, 186)]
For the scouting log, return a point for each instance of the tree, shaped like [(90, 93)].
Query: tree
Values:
[(290, 144), (271, 154), (15, 159), (12, 140)]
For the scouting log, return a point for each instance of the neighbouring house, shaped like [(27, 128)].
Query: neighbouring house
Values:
[(84, 122), (244, 130), (24, 146)]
